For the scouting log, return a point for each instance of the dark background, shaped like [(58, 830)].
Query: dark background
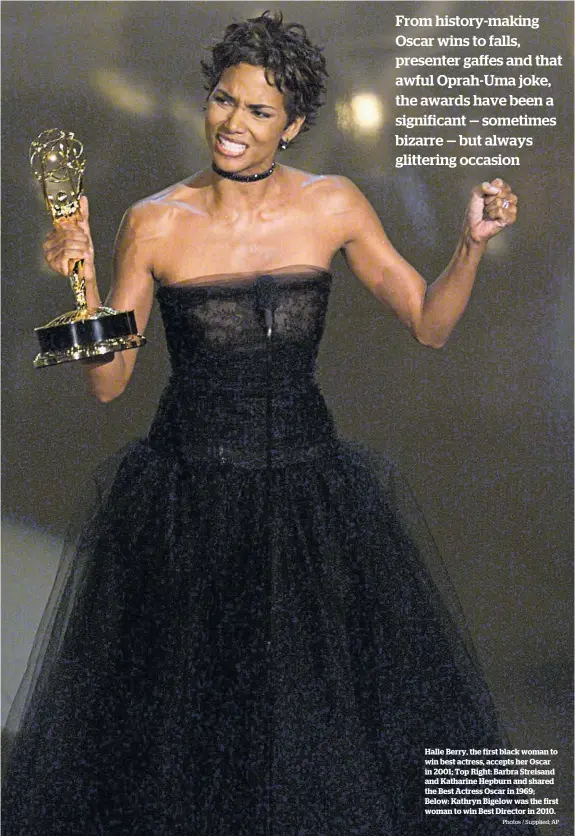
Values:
[(482, 428)]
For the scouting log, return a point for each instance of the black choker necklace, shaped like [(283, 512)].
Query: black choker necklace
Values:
[(243, 178)]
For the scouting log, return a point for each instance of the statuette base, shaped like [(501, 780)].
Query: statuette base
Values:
[(86, 333)]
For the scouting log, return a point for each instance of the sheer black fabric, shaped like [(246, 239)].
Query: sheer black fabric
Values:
[(248, 636)]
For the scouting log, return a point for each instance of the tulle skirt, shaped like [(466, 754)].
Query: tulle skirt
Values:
[(235, 651)]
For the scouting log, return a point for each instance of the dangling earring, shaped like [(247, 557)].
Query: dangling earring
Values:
[(283, 144)]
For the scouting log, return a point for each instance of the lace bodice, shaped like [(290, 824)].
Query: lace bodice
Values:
[(227, 315), (243, 379)]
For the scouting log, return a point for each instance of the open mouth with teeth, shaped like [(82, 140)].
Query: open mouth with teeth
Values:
[(229, 148)]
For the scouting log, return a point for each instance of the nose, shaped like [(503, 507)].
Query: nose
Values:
[(235, 121)]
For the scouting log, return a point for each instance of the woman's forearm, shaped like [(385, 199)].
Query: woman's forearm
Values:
[(446, 299), (492, 207), (106, 376)]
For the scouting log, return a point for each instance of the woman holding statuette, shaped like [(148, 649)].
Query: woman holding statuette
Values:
[(249, 640)]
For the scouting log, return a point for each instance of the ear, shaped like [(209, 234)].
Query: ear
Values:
[(293, 129)]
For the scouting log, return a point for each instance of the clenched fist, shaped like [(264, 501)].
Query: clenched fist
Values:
[(492, 207)]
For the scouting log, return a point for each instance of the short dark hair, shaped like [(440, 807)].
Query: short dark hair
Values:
[(297, 65)]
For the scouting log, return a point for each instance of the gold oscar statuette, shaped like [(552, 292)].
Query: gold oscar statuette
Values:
[(57, 160)]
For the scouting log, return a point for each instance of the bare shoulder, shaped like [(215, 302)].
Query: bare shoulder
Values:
[(156, 214), (327, 193)]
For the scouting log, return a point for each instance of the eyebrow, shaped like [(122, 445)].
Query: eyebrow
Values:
[(235, 101)]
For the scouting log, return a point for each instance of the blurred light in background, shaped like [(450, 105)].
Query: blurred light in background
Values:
[(124, 94), (362, 114), (187, 113), (367, 111)]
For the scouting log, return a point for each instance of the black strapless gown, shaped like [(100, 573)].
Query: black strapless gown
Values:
[(246, 640)]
